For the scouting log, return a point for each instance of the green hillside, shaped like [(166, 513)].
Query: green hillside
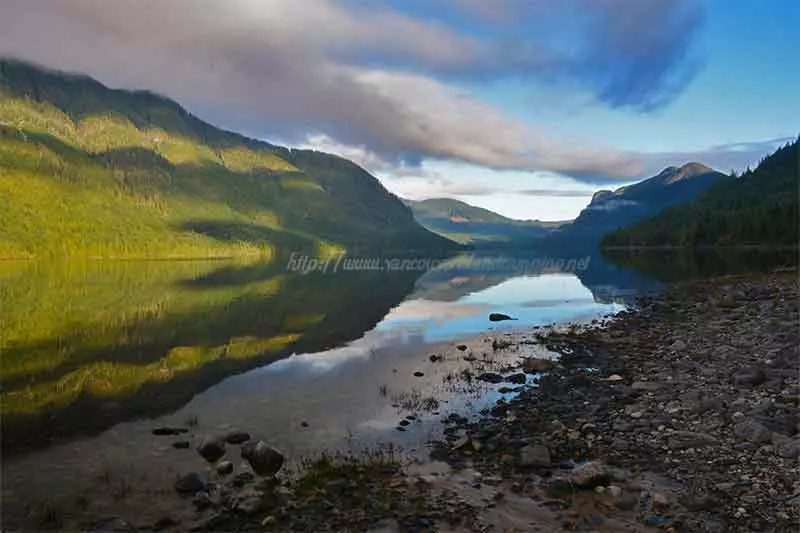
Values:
[(90, 171), (467, 224), (760, 207)]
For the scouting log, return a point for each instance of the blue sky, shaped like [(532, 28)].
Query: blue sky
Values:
[(746, 89), (522, 106)]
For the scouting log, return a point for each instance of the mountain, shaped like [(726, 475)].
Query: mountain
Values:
[(611, 210), (86, 170), (467, 224), (759, 207)]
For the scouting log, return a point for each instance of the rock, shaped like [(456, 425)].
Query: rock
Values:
[(535, 455), (111, 525), (180, 444), (748, 377), (462, 347), (190, 484), (497, 317), (678, 346), (681, 440), (660, 500), (225, 468), (614, 377), (646, 386), (164, 523), (500, 344), (237, 437), (387, 525), (753, 431), (536, 366), (614, 491), (490, 377), (627, 501), (202, 501), (403, 422), (517, 379), (242, 478), (264, 459), (789, 450), (588, 475), (461, 442), (418, 374), (251, 505), (435, 358), (211, 449), (169, 431)]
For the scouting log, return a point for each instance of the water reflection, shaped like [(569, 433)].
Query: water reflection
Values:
[(95, 355), (87, 345)]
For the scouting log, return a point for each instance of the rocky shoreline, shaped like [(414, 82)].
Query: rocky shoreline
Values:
[(686, 409), (680, 415)]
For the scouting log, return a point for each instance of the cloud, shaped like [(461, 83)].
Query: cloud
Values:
[(725, 157), (421, 188), (556, 193), (366, 75)]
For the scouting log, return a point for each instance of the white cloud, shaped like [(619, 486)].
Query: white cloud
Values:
[(361, 74)]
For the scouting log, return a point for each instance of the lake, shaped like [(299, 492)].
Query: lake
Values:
[(95, 355)]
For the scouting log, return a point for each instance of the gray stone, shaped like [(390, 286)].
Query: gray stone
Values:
[(534, 455), (251, 505), (190, 484), (387, 525), (225, 468), (646, 386), (790, 449), (753, 431), (211, 449), (264, 459), (237, 437), (681, 440), (517, 379), (748, 377), (490, 377), (588, 475), (111, 525)]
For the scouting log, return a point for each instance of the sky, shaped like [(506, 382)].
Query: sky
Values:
[(525, 107)]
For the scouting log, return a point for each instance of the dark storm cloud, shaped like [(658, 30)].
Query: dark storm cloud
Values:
[(369, 76)]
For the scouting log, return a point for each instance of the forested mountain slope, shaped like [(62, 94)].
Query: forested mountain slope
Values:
[(760, 207), (90, 171)]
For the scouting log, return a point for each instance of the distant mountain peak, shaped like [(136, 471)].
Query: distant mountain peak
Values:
[(688, 170)]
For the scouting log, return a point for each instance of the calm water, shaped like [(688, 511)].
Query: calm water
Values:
[(95, 355)]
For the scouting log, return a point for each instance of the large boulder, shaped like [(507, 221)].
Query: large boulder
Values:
[(263, 458), (497, 317)]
